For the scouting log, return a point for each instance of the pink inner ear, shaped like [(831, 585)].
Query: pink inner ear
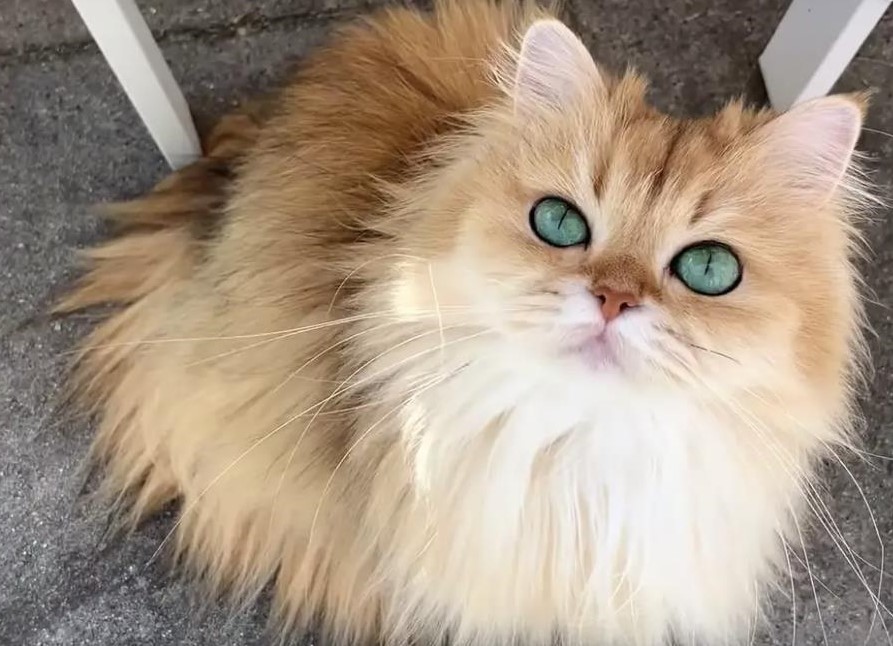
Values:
[(814, 142), (554, 67)]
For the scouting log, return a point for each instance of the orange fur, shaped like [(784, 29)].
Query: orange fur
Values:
[(296, 307)]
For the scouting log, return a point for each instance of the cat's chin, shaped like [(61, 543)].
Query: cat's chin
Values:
[(597, 352)]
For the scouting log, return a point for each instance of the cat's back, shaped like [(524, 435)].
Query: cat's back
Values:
[(385, 86)]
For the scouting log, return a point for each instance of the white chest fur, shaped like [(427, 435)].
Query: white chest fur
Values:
[(556, 498)]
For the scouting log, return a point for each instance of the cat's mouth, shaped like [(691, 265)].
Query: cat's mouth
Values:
[(601, 351)]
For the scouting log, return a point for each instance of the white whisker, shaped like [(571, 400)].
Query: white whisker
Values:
[(809, 574), (437, 308), (278, 428), (433, 382), (356, 269), (787, 557), (343, 388)]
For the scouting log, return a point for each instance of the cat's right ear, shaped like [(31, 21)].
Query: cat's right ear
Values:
[(553, 69)]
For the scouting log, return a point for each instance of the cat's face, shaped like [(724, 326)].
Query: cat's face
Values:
[(712, 253), (668, 253)]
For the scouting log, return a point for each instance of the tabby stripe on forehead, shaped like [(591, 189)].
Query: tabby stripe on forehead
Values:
[(599, 173), (659, 178), (701, 209)]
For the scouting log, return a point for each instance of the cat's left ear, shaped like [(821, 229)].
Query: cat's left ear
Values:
[(811, 145), (554, 69)]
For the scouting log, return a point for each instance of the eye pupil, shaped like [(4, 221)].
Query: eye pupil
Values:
[(707, 268), (559, 223)]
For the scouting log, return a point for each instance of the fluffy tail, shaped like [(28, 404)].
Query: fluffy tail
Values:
[(156, 248), (158, 234)]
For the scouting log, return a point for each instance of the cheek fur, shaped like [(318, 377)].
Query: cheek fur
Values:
[(578, 308)]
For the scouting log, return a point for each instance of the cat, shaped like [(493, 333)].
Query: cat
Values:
[(459, 338)]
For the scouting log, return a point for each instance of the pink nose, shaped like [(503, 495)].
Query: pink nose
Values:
[(614, 303)]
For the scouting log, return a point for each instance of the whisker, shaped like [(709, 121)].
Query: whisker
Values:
[(341, 389), (818, 507), (234, 337), (787, 558), (823, 514), (363, 436), (863, 452), (877, 530), (826, 519), (322, 352), (716, 352), (815, 594), (818, 579), (878, 132), (877, 61), (685, 340), (756, 616), (278, 428), (462, 59), (337, 391), (400, 315), (437, 307), (354, 271), (294, 450), (235, 351)]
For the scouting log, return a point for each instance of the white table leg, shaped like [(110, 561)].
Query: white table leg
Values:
[(128, 46), (812, 46)]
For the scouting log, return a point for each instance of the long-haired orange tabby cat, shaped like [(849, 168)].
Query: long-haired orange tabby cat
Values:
[(461, 338)]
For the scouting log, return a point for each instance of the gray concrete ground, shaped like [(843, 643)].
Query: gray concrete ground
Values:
[(68, 138)]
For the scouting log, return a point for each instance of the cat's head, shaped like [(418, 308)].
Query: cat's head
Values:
[(712, 254)]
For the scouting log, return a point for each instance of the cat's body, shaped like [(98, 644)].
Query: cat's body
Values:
[(345, 354)]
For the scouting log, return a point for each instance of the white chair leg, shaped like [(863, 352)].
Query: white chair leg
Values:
[(812, 46), (127, 44)]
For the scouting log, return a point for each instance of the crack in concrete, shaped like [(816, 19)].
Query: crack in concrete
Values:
[(237, 28)]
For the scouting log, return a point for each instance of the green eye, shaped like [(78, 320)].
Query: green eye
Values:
[(708, 268), (558, 223)]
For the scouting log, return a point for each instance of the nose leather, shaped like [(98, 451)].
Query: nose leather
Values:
[(613, 303)]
